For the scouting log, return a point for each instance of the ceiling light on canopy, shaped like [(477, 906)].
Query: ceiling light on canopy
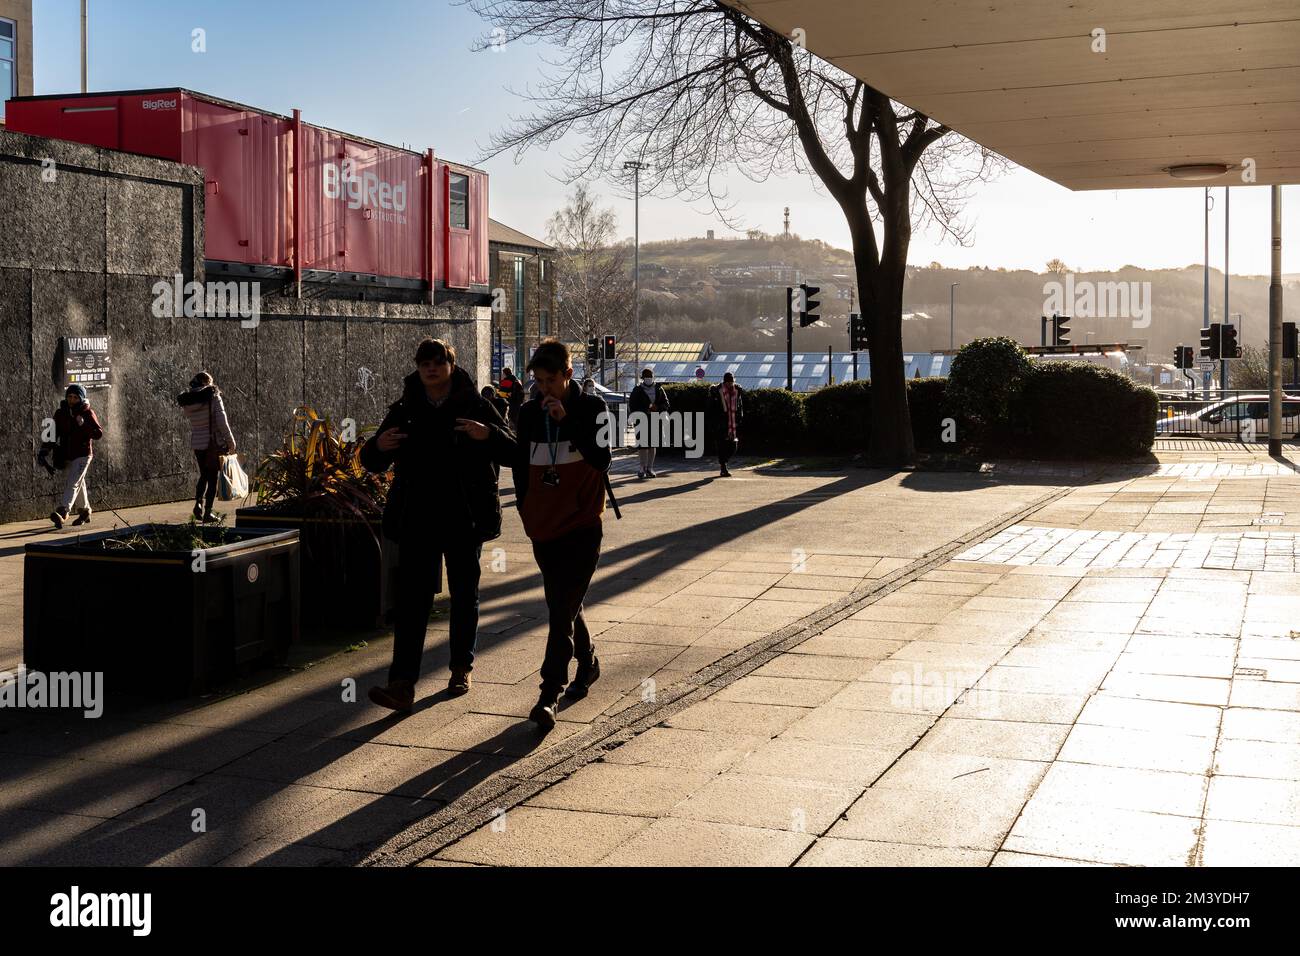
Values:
[(1198, 171)]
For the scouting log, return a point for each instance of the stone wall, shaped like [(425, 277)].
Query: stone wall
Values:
[(83, 241)]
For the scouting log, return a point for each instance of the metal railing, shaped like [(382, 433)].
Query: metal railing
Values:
[(1236, 414)]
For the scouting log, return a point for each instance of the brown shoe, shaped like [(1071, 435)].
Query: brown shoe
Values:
[(399, 695), (459, 683)]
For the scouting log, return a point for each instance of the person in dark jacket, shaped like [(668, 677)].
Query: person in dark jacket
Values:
[(496, 401), (512, 390), (560, 481), (649, 398), (76, 429), (210, 438), (445, 444), (726, 412)]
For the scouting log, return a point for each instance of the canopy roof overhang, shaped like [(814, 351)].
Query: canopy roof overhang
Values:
[(1180, 82)]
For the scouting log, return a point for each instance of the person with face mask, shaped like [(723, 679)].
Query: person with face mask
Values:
[(649, 398), (76, 429)]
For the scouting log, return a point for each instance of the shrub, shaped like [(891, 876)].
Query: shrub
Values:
[(775, 423), (689, 398), (987, 378), (1078, 410), (839, 417), (927, 403)]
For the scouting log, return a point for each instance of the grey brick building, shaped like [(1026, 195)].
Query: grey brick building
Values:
[(522, 271)]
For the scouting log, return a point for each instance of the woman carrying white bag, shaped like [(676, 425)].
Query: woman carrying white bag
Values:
[(213, 444)]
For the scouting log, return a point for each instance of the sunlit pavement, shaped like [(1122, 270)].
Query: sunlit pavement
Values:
[(799, 667)]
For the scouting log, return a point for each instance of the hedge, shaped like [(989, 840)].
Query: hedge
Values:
[(1077, 410), (1053, 410)]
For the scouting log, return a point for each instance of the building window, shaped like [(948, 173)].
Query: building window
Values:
[(544, 322), (521, 357), (458, 201), (541, 271), (8, 62)]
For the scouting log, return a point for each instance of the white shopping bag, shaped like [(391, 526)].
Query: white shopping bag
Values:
[(232, 483)]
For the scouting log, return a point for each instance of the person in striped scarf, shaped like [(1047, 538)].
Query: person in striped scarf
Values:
[(727, 409)]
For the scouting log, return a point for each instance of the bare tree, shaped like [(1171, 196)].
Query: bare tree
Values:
[(697, 89), (1057, 267), (593, 273)]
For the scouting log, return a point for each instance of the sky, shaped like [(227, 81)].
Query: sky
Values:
[(403, 71)]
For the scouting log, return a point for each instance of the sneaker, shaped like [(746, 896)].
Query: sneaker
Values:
[(57, 517), (640, 476), (651, 474), (198, 512), (399, 695), (211, 518), (587, 675), (459, 683), (725, 473), (543, 712), (83, 517)]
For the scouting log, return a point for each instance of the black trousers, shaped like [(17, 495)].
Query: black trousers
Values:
[(726, 448), (205, 491), (567, 565), (417, 574)]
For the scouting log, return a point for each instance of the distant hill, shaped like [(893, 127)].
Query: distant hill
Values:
[(731, 292)]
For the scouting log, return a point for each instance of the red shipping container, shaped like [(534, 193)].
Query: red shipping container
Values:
[(364, 208)]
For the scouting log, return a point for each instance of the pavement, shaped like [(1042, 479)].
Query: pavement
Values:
[(1032, 665)]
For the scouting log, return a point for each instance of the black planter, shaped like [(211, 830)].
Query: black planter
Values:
[(161, 623), (342, 564)]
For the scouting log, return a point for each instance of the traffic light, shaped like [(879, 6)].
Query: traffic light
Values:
[(610, 343), (1183, 357), (1060, 331), (858, 333), (1289, 340), (1210, 342), (1228, 347), (593, 351), (808, 306)]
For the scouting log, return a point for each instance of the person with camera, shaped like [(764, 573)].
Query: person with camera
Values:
[(648, 398), (210, 439), (560, 484), (726, 412), (445, 444), (76, 429)]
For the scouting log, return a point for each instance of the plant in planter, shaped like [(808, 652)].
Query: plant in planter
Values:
[(315, 482), (161, 610)]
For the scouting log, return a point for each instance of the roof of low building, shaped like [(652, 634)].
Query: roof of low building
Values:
[(501, 233)]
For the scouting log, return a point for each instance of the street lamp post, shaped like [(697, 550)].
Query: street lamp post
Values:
[(952, 316), (636, 166)]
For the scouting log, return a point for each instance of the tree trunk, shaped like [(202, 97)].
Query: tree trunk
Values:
[(891, 423)]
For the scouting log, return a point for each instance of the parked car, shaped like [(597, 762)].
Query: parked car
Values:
[(1228, 418)]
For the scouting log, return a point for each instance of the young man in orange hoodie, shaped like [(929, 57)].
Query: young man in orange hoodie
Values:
[(560, 473)]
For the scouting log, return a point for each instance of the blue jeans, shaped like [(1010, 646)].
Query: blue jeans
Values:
[(417, 575)]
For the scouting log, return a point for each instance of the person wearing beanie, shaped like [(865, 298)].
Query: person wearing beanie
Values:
[(210, 439), (76, 429)]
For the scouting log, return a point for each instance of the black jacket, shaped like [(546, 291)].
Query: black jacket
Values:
[(717, 412), (639, 402), (445, 483)]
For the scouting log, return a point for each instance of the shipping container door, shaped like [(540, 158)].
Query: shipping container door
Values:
[(459, 214), (479, 230), (220, 139)]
